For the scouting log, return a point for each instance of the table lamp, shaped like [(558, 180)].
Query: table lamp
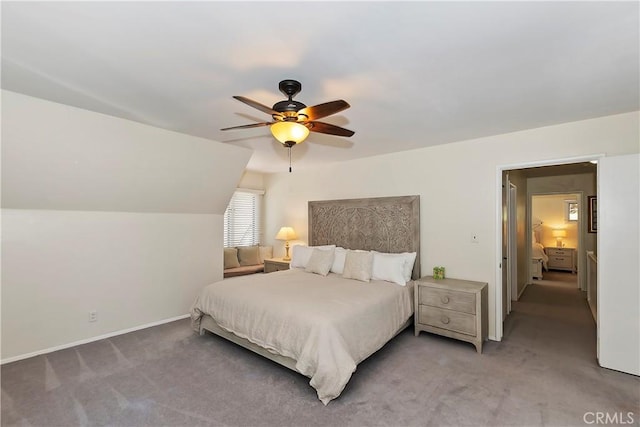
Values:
[(286, 234), (559, 234)]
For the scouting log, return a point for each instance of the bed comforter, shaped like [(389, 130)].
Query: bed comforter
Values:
[(327, 324), (538, 252)]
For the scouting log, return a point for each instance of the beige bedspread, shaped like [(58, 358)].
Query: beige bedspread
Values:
[(537, 251), (327, 324)]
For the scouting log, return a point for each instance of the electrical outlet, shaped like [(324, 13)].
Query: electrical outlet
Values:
[(475, 238), (93, 316)]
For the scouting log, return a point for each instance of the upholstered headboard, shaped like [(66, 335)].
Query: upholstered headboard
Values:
[(383, 224)]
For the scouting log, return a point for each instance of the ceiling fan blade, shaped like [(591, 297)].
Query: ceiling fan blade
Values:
[(323, 110), (257, 105), (322, 127), (252, 125)]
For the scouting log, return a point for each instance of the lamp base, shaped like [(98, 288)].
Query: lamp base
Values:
[(286, 254)]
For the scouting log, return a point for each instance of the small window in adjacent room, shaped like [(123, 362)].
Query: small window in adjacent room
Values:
[(571, 210), (242, 219)]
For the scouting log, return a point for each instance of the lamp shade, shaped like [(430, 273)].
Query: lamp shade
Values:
[(289, 132), (559, 233), (286, 233)]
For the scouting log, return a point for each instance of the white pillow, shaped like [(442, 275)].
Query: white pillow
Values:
[(320, 261), (338, 260), (409, 260), (389, 267), (300, 254), (357, 265)]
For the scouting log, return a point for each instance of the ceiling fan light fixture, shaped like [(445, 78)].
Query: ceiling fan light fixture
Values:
[(287, 132)]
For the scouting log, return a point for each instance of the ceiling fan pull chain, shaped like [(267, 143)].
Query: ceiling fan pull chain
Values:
[(289, 159)]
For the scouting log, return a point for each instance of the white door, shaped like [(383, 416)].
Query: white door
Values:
[(512, 286), (618, 231), (504, 269)]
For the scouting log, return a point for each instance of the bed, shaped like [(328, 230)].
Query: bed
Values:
[(539, 258), (319, 325)]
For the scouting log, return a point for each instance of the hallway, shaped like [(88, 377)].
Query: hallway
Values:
[(552, 321), (553, 317)]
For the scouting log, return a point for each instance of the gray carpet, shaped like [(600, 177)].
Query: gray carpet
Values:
[(544, 372)]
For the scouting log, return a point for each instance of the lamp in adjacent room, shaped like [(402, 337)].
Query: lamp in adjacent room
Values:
[(559, 234), (286, 234)]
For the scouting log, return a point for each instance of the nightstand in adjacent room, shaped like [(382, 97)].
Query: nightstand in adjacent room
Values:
[(453, 308), (275, 264), (561, 258)]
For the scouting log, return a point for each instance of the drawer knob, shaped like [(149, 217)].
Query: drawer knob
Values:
[(444, 300), (445, 320)]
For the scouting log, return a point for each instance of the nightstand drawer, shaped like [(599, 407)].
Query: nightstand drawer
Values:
[(451, 300), (561, 261), (447, 319), (559, 252)]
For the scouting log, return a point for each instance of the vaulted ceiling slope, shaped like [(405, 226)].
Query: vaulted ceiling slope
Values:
[(415, 73)]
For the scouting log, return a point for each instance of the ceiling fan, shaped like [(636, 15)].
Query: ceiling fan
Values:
[(293, 120)]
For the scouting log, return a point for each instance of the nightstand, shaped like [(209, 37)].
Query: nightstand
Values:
[(275, 264), (561, 258), (452, 308)]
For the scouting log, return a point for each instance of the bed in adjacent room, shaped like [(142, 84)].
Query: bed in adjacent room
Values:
[(539, 258), (344, 298)]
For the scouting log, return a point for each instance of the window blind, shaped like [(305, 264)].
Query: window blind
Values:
[(242, 219)]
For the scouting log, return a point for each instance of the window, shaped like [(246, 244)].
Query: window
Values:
[(242, 219), (571, 210)]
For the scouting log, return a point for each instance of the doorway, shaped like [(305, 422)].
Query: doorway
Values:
[(557, 235), (568, 176)]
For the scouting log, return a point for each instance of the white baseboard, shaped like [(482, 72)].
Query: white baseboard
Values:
[(92, 339), (522, 291)]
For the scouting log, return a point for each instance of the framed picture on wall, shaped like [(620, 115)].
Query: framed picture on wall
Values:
[(592, 204)]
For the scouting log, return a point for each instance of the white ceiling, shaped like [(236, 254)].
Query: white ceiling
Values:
[(415, 73)]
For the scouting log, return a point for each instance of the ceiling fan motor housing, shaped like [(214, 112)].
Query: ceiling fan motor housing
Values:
[(290, 87), (289, 107)]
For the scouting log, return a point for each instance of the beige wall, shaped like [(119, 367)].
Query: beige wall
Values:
[(107, 215), (584, 184), (458, 185), (132, 268), (252, 180), (551, 211)]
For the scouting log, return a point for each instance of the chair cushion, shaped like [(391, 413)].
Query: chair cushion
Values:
[(243, 270), (248, 255), (231, 258)]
